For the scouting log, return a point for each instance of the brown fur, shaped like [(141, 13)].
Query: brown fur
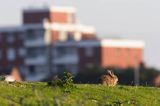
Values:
[(109, 79)]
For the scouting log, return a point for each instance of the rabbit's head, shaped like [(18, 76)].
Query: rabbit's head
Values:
[(110, 79)]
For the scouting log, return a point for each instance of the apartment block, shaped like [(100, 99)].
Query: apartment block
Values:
[(77, 56), (26, 46), (52, 40)]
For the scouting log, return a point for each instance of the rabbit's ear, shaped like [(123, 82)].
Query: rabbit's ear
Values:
[(109, 72), (112, 73)]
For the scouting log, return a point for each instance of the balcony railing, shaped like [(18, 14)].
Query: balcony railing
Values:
[(39, 60), (34, 42), (66, 59)]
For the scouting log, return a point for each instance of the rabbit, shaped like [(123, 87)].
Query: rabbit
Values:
[(109, 79)]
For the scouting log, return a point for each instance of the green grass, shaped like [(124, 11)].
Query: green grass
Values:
[(83, 95)]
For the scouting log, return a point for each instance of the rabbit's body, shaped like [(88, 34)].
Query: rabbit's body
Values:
[(109, 80)]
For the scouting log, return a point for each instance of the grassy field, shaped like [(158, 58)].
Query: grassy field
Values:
[(83, 95)]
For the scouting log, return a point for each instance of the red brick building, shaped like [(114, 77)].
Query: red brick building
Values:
[(12, 50), (74, 45), (25, 46), (61, 21), (119, 53), (55, 14)]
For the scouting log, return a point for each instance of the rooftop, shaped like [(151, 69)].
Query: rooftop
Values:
[(122, 43), (52, 9)]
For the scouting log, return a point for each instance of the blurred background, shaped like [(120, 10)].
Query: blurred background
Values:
[(41, 38)]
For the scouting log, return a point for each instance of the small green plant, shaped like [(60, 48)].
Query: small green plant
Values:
[(66, 82)]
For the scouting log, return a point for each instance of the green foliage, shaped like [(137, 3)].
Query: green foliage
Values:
[(147, 75), (38, 94), (2, 78), (125, 76), (66, 82)]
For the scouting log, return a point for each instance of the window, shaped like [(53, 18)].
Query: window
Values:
[(72, 50), (22, 51), (21, 35), (10, 38), (70, 36), (32, 70), (60, 51), (10, 54), (30, 34), (72, 68), (61, 68), (89, 51), (39, 32)]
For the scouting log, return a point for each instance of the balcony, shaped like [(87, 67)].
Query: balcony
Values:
[(66, 59), (39, 60), (34, 42)]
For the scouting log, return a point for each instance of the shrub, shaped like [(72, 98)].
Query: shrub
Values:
[(66, 82)]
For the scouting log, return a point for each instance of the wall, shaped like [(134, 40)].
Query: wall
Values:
[(16, 45), (121, 57)]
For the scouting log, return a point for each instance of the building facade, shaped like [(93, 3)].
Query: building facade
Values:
[(26, 46), (52, 40), (119, 53)]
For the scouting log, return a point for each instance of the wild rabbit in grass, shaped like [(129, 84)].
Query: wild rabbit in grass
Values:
[(109, 79)]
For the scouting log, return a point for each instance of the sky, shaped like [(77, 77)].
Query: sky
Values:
[(135, 19)]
